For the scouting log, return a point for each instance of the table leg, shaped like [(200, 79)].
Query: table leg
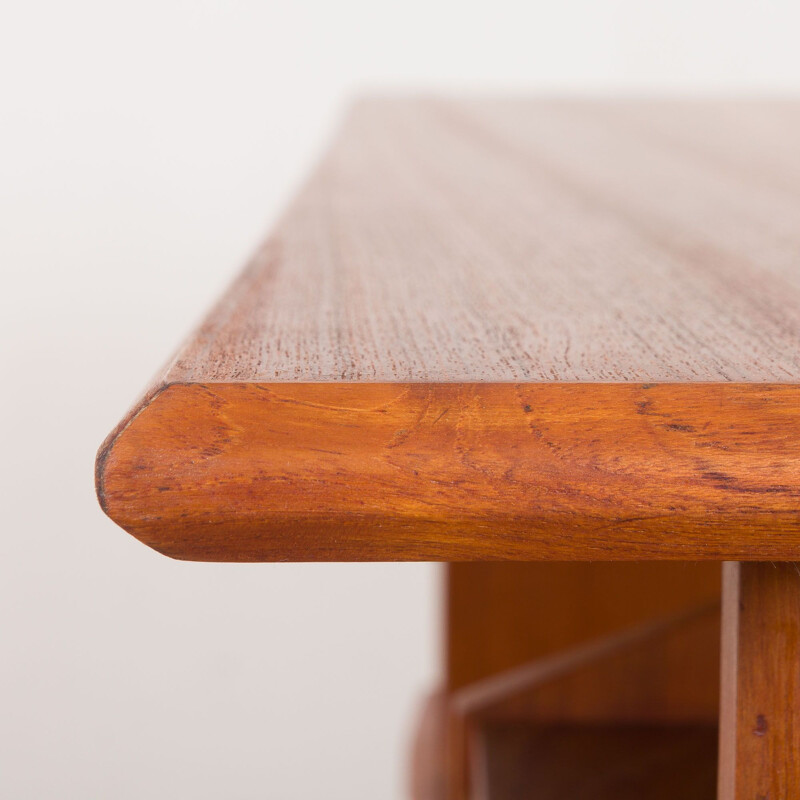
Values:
[(760, 708)]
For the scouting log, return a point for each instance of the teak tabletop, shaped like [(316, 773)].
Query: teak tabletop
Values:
[(508, 331), (497, 329)]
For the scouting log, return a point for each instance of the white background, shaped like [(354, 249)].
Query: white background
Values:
[(144, 149)]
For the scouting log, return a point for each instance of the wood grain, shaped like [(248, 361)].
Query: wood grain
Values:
[(503, 615), (538, 471), (662, 671), (760, 710), (496, 330), (509, 241)]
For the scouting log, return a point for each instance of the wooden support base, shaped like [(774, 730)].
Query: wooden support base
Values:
[(575, 680), (760, 710), (603, 680), (520, 759)]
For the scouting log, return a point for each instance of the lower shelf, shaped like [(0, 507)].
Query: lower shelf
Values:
[(524, 762), (630, 712)]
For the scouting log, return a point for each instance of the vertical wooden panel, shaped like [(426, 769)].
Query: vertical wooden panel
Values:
[(502, 615), (760, 715)]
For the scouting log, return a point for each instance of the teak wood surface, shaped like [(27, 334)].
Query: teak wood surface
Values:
[(586, 651), (502, 616), (760, 709), (497, 329)]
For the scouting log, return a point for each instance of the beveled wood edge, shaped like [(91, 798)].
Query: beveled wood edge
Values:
[(105, 448), (769, 535)]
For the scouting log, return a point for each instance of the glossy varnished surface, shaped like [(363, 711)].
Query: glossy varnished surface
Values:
[(497, 330), (567, 472)]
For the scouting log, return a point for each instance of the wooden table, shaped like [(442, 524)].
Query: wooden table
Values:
[(555, 344)]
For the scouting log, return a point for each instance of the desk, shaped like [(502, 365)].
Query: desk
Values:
[(554, 344)]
